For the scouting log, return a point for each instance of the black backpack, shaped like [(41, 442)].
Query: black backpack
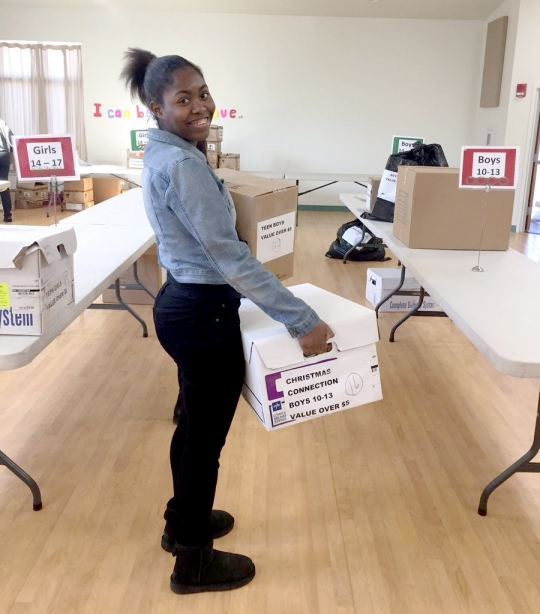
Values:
[(369, 246)]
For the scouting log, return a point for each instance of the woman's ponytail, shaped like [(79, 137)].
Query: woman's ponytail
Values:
[(136, 64)]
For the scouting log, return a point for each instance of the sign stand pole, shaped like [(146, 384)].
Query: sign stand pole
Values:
[(53, 195), (478, 268)]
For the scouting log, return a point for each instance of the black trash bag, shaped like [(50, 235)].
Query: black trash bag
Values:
[(419, 155), (369, 247)]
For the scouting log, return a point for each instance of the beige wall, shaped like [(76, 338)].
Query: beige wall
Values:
[(310, 94)]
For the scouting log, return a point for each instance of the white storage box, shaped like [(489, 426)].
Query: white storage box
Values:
[(284, 387), (381, 281), (36, 277)]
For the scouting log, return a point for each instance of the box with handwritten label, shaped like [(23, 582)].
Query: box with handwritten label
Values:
[(284, 387), (36, 277), (265, 217)]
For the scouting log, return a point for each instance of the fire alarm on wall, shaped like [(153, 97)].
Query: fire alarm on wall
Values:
[(521, 90)]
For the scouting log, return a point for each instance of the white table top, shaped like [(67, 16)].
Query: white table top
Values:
[(132, 175), (4, 185), (109, 169), (301, 176), (497, 309), (356, 203), (103, 254), (126, 209), (269, 174)]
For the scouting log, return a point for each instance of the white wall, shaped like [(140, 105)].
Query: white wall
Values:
[(495, 118), (311, 94)]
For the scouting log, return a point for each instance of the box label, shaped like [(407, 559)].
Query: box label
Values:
[(324, 387), (275, 237), (4, 295), (387, 188)]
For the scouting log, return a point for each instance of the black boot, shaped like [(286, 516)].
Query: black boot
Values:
[(201, 568), (221, 523)]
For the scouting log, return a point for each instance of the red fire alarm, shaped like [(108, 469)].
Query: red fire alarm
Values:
[(521, 90)]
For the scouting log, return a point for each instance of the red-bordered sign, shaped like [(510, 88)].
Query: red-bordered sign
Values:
[(493, 166), (45, 156)]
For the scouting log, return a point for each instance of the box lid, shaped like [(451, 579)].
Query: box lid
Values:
[(16, 242), (251, 185), (353, 326), (388, 278)]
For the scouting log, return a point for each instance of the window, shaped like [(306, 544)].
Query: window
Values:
[(42, 90)]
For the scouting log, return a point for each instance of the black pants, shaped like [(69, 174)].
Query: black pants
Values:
[(199, 327), (4, 174)]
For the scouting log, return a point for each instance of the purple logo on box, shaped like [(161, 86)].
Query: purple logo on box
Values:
[(276, 406)]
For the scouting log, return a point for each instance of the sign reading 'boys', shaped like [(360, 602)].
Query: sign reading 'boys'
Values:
[(495, 167)]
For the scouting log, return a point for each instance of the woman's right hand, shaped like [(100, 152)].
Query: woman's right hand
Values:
[(315, 342)]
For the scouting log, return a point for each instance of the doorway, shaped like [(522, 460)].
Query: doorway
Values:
[(532, 222)]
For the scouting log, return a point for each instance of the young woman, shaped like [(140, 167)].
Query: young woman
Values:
[(196, 311)]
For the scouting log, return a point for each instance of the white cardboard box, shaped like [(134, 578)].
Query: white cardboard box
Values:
[(36, 277), (283, 387), (381, 281)]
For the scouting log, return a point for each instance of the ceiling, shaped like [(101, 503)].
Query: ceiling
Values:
[(408, 9)]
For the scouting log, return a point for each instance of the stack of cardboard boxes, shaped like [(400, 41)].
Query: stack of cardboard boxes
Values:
[(79, 195), (31, 195), (213, 145), (216, 158)]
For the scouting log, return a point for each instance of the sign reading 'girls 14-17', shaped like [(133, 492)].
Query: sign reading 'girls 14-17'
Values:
[(44, 156), (495, 167)]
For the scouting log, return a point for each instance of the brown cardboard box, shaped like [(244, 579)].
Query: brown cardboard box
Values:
[(106, 187), (432, 212), (372, 190), (36, 191), (78, 206), (266, 218), (229, 160), (216, 134), (151, 275), (134, 159), (81, 185), (212, 159), (213, 146), (78, 197)]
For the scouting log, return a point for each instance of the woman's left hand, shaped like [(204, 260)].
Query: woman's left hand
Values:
[(315, 342)]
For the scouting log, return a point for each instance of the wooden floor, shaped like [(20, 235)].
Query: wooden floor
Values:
[(369, 511)]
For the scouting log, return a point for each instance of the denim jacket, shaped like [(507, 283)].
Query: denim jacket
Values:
[(193, 217)]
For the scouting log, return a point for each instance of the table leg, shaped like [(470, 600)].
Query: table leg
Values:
[(122, 305), (522, 465), (22, 475), (140, 283), (408, 314), (396, 289)]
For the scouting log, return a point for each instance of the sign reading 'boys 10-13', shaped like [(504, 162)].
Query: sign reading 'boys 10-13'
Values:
[(495, 167), (44, 156)]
